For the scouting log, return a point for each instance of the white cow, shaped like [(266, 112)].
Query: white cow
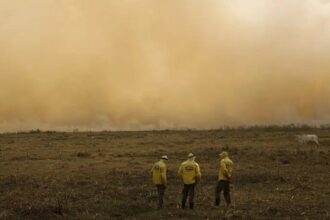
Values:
[(308, 138)]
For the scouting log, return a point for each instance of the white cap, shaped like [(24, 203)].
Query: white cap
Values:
[(191, 155), (164, 157), (224, 154)]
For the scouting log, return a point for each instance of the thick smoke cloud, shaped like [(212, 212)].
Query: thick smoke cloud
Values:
[(145, 64)]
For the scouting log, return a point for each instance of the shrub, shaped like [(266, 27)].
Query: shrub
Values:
[(83, 154), (35, 131)]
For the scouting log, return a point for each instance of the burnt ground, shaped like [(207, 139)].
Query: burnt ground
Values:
[(105, 175)]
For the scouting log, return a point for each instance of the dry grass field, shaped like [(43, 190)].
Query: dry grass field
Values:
[(105, 175)]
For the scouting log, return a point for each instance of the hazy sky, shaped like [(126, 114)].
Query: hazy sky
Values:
[(147, 64)]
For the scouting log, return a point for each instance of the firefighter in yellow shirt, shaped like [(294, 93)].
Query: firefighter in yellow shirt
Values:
[(159, 171), (190, 174), (225, 172)]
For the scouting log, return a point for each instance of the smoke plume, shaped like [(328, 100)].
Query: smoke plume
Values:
[(146, 64)]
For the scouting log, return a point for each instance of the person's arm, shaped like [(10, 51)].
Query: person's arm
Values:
[(224, 169), (180, 172), (163, 173), (230, 169)]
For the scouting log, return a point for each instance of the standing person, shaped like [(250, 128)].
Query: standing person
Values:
[(159, 172), (190, 174), (225, 172)]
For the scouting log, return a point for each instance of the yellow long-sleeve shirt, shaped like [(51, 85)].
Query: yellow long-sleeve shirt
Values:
[(189, 172), (226, 169), (159, 171)]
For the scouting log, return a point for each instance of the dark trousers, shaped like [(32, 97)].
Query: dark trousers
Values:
[(188, 189), (222, 185), (161, 191)]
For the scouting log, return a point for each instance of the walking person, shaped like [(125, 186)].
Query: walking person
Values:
[(159, 177), (225, 172), (190, 174)]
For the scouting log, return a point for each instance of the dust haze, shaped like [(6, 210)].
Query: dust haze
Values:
[(146, 64)]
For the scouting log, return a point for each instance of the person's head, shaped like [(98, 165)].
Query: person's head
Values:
[(191, 156), (224, 154), (164, 157)]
